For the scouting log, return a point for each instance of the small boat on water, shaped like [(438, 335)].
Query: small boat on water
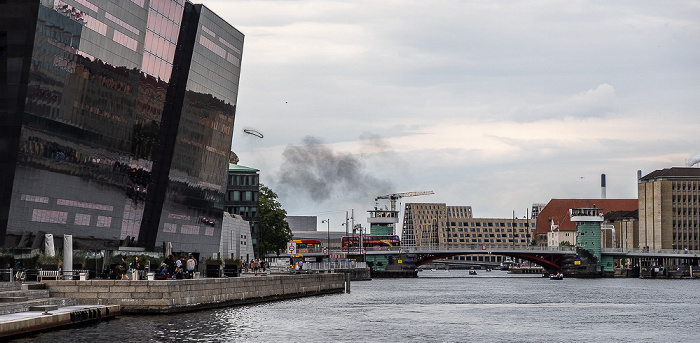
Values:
[(557, 276), (472, 272)]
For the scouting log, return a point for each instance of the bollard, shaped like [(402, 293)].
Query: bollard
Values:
[(347, 282)]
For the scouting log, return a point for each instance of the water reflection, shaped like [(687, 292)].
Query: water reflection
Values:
[(504, 309)]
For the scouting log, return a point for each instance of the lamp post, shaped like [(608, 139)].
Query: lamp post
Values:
[(513, 230), (528, 228), (328, 241)]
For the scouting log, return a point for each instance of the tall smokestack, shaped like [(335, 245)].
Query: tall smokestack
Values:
[(639, 176), (602, 186)]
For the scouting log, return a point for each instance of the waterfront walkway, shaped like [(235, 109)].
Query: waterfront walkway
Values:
[(28, 307), (77, 301)]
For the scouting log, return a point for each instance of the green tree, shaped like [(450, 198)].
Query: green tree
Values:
[(564, 244), (274, 229)]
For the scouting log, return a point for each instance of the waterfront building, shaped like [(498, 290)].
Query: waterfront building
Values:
[(236, 241), (553, 221), (243, 197), (624, 227), (669, 209), (438, 225), (588, 232), (117, 120)]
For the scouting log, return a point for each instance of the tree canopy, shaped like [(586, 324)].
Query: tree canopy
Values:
[(274, 229)]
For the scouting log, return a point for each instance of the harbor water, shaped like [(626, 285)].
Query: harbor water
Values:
[(439, 306)]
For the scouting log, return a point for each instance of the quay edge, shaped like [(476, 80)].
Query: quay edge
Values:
[(171, 296), (34, 321)]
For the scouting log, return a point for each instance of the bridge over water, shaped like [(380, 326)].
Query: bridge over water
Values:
[(550, 258)]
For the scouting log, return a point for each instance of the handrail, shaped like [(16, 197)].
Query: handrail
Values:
[(461, 247)]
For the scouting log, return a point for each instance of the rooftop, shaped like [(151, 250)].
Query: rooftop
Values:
[(674, 172), (240, 168), (557, 210)]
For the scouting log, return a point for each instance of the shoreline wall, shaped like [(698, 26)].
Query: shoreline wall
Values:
[(170, 296)]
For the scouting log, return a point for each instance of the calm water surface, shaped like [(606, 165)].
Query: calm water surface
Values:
[(437, 307)]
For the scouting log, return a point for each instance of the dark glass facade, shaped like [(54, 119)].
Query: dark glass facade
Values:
[(118, 121)]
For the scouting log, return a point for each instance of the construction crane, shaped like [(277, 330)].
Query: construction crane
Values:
[(395, 196)]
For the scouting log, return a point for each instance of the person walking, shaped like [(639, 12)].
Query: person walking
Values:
[(123, 266), (191, 264), (135, 268)]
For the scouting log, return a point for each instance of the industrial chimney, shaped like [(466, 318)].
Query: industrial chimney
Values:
[(602, 186), (639, 176)]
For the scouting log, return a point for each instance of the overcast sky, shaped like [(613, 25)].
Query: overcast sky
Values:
[(492, 104)]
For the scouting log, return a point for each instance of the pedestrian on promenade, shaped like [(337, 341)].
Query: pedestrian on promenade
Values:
[(178, 263), (191, 263), (135, 268), (178, 273), (170, 264), (123, 266)]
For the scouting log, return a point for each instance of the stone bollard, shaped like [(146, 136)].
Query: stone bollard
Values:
[(151, 276)]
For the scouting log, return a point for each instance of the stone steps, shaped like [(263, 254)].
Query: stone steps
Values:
[(22, 297), (24, 306), (28, 294)]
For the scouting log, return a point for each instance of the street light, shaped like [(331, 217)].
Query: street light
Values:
[(328, 241)]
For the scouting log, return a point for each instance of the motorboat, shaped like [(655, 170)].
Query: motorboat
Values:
[(557, 276)]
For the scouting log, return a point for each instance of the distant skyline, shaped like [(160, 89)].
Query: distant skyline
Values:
[(496, 105)]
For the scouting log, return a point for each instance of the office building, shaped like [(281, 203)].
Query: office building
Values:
[(436, 225), (242, 198), (236, 241), (117, 118), (669, 209)]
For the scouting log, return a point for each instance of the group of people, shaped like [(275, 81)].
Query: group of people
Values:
[(178, 268), (255, 266), (129, 271)]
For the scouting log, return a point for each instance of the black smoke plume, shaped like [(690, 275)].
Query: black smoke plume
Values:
[(314, 170)]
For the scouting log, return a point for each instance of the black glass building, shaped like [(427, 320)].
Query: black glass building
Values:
[(117, 118)]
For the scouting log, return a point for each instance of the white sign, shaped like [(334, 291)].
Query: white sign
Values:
[(325, 251), (291, 248)]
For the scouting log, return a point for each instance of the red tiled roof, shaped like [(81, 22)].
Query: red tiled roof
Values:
[(558, 211)]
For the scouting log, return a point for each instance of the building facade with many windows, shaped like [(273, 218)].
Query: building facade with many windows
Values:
[(669, 209), (242, 197), (436, 225), (117, 122)]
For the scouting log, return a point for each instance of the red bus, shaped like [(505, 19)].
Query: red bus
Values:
[(307, 245), (370, 241)]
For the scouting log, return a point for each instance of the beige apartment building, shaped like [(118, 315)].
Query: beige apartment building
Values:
[(436, 225), (669, 206)]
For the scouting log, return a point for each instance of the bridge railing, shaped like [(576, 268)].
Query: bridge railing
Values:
[(486, 248), (329, 266), (458, 247), (679, 252)]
